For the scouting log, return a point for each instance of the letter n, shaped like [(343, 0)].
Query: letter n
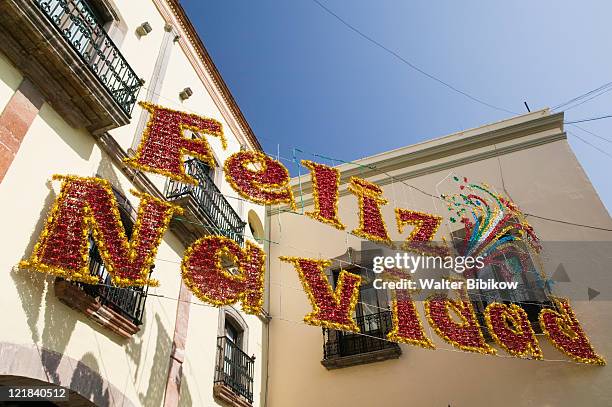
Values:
[(87, 205)]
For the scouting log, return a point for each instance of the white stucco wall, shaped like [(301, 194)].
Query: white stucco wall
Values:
[(139, 366)]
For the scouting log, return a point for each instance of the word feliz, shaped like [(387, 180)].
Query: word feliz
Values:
[(86, 207)]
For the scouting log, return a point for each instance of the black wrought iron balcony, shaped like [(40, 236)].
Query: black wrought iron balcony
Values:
[(63, 48), (207, 209), (342, 349), (234, 368), (119, 309), (76, 21), (129, 302)]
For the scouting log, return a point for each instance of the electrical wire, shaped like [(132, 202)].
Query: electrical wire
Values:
[(592, 133), (590, 119), (374, 167), (606, 87), (407, 62), (590, 144), (301, 323)]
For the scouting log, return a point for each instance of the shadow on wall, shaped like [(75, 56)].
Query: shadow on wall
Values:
[(59, 320), (36, 291), (31, 285), (59, 326), (185, 399), (88, 383), (133, 348), (74, 138), (107, 171), (159, 368)]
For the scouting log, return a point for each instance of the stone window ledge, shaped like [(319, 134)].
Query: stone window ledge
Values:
[(362, 358), (227, 396), (75, 298)]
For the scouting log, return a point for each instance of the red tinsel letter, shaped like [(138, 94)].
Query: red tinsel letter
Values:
[(331, 309), (86, 204), (511, 329), (163, 143), (565, 332), (465, 335), (426, 225), (259, 178), (407, 326), (211, 281), (325, 182), (420, 239), (371, 223)]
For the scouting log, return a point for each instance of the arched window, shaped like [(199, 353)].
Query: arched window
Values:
[(256, 227)]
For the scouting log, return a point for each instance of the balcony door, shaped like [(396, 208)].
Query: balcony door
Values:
[(79, 22), (232, 352), (371, 314)]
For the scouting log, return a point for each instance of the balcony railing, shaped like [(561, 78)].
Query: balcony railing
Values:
[(130, 301), (234, 368), (211, 205), (339, 344), (77, 24)]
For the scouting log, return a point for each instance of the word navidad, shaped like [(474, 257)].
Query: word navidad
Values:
[(86, 207)]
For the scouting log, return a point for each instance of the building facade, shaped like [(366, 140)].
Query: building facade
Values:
[(71, 74), (527, 159)]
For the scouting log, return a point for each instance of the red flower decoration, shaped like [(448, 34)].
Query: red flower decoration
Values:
[(371, 223), (331, 309), (565, 332), (510, 328), (89, 204), (465, 335), (259, 178), (325, 182), (210, 280), (163, 143)]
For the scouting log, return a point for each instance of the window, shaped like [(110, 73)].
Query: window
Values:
[(372, 315), (233, 333), (255, 226), (514, 264), (234, 370), (129, 302)]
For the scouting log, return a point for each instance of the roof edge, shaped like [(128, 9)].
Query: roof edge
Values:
[(193, 36)]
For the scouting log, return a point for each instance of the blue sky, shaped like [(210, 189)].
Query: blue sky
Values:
[(305, 80)]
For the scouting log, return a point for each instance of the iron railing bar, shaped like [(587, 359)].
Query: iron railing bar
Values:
[(79, 26)]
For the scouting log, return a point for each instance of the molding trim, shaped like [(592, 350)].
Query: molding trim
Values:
[(34, 362), (435, 155), (196, 52), (238, 319)]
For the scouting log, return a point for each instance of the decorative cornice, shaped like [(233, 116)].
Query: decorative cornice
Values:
[(234, 115), (440, 154)]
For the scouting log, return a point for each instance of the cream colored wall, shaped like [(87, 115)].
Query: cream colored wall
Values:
[(10, 78), (138, 366), (203, 320), (544, 180), (200, 360), (140, 52), (180, 74)]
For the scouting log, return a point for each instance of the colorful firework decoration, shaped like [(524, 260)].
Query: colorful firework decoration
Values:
[(495, 228)]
